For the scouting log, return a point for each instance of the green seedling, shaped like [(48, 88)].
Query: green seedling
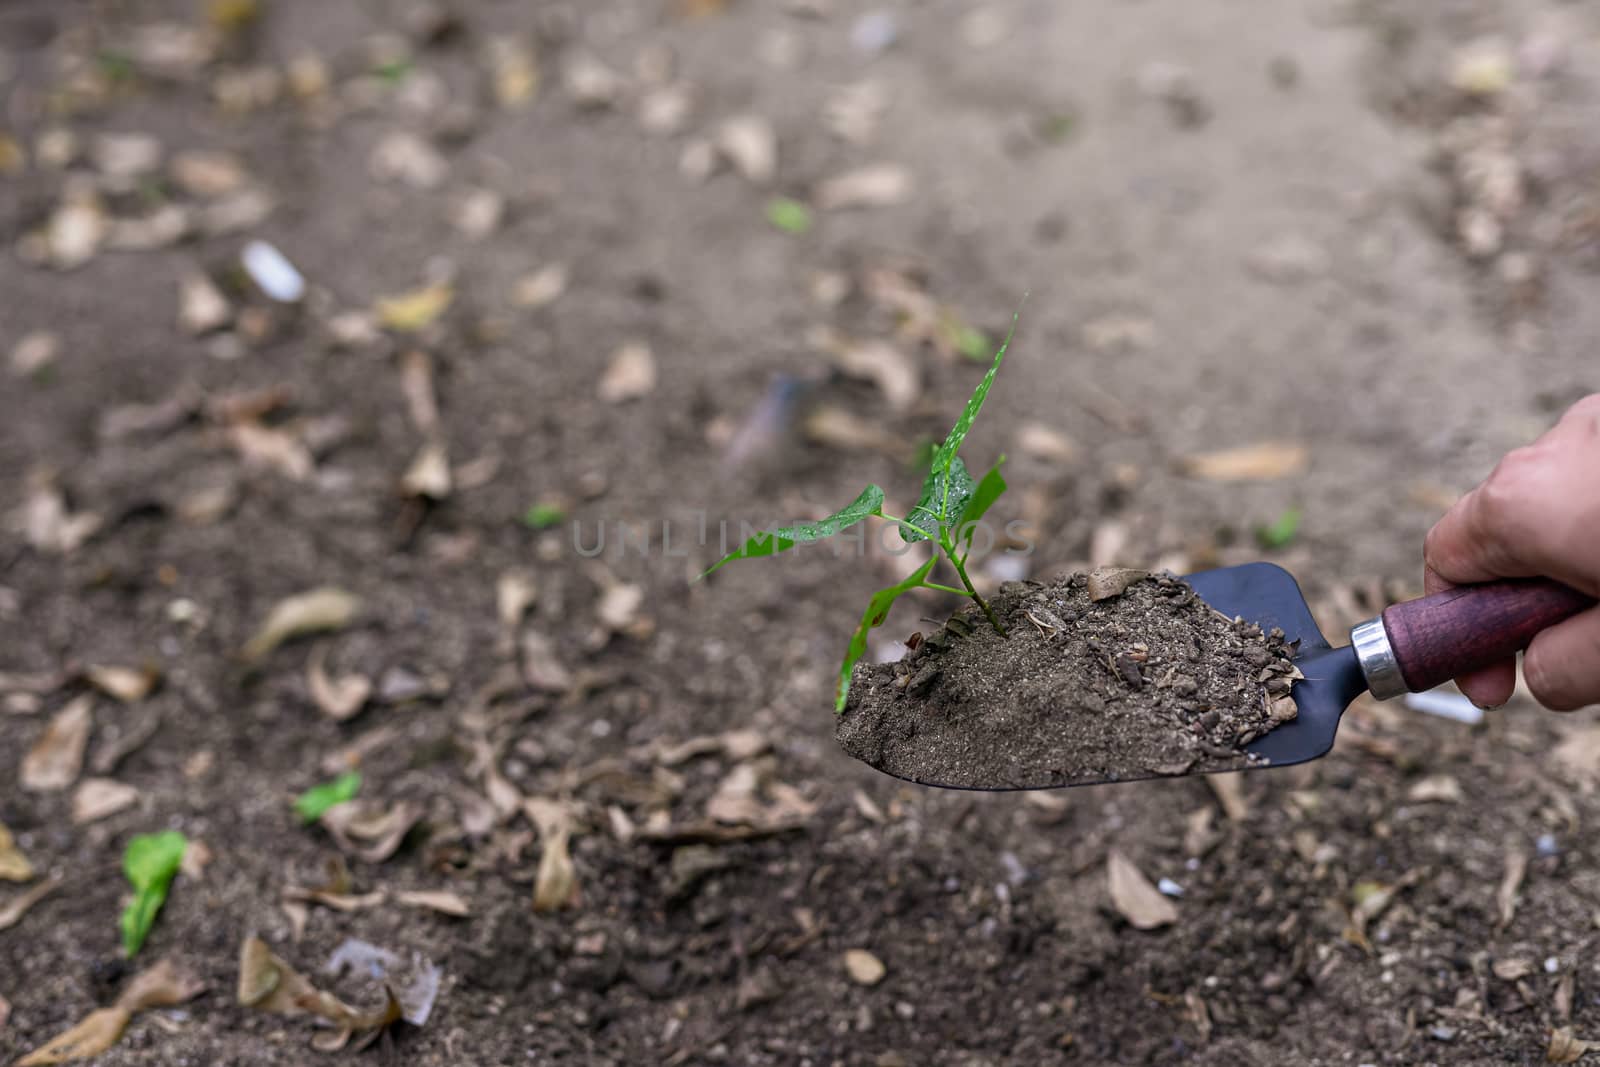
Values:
[(789, 215), (1281, 531), (150, 862), (946, 514), (544, 516), (393, 71), (970, 341), (311, 804)]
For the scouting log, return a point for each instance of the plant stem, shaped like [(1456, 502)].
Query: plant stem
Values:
[(944, 588), (961, 569)]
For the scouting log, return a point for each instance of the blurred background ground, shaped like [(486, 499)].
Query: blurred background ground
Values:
[(557, 260)]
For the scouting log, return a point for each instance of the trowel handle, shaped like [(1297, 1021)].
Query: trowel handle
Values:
[(1445, 635)]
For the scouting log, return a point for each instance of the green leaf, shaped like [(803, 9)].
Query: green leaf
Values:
[(150, 862), (877, 611), (1282, 530), (314, 801), (982, 499), (771, 542), (945, 457), (944, 497), (789, 215), (543, 516), (394, 71)]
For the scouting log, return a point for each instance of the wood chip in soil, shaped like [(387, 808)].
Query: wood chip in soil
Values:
[(1145, 682)]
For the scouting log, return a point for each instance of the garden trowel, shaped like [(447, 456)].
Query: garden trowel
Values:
[(1412, 646)]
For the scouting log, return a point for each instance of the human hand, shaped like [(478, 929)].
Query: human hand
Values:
[(1536, 515)]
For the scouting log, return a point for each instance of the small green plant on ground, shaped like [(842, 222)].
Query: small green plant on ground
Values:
[(150, 862), (946, 514), (311, 804)]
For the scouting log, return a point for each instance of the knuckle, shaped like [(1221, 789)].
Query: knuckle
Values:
[(1504, 496), (1589, 406)]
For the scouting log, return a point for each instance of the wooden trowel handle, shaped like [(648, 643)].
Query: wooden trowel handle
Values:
[(1445, 635)]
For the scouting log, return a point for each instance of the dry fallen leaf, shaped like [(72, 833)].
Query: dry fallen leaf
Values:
[(863, 967), (315, 611), (879, 185), (54, 761), (747, 796), (416, 383), (1199, 836), (162, 986), (202, 308), (429, 473), (751, 145), (1436, 787), (127, 684), (338, 698), (12, 911), (1579, 755), (540, 667), (1108, 582), (405, 157), (1229, 789), (269, 984), (369, 831), (14, 866), (1510, 883), (96, 1033), (345, 902), (541, 288), (35, 352), (1370, 900), (207, 174), (589, 82), (272, 448), (556, 885), (442, 901), (618, 608), (1142, 904), (48, 525), (1262, 462), (881, 363), (514, 593), (513, 70), (99, 798), (1044, 443), (415, 310), (631, 375), (835, 427), (1564, 1047)]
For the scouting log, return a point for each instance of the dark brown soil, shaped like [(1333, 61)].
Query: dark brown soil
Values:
[(1147, 682)]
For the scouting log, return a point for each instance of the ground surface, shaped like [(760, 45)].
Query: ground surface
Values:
[(1364, 236)]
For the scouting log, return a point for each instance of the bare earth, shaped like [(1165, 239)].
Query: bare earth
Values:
[(1360, 237)]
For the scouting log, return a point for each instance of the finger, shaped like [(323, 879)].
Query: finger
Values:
[(1432, 583), (1531, 517), (1488, 687), (1562, 665), (1470, 543), (1583, 414), (1491, 686)]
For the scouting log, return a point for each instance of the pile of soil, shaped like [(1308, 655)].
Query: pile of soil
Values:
[(1101, 677)]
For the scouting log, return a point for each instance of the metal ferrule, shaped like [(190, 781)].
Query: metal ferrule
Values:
[(1376, 656)]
